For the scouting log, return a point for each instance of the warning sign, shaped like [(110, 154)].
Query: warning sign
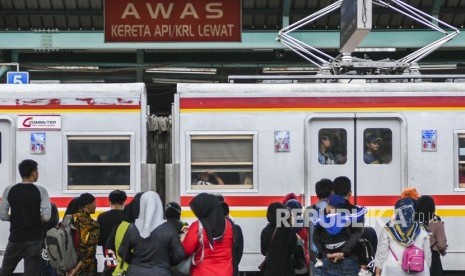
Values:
[(172, 20)]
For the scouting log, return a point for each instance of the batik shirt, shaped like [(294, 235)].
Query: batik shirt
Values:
[(87, 243)]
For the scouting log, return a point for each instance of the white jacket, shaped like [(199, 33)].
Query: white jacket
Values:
[(385, 260)]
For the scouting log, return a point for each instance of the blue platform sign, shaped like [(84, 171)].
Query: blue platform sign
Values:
[(17, 77)]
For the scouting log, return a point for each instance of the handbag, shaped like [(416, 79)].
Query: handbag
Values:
[(262, 265), (184, 266)]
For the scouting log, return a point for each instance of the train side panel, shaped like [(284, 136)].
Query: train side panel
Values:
[(281, 126)]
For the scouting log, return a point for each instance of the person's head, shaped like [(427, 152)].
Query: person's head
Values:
[(410, 192), (173, 210), (220, 197), (342, 186), (272, 212), (336, 202), (323, 188), (425, 209), (404, 210), (206, 207), (86, 201), (373, 143), (288, 197), (132, 209), (204, 176), (117, 197), (73, 206), (150, 215), (29, 169), (325, 141)]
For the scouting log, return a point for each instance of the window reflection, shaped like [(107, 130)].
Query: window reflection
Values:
[(332, 146), (377, 146)]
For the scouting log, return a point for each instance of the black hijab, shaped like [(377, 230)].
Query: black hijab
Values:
[(132, 209), (207, 209)]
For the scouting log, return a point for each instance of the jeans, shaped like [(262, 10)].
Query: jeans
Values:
[(30, 251), (316, 271), (345, 267)]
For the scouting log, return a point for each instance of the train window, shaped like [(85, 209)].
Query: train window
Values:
[(97, 161), (332, 146), (461, 154), (377, 146), (222, 161)]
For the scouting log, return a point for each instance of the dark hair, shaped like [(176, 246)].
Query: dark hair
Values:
[(220, 197), (342, 185), (323, 188), (117, 197), (173, 210), (225, 208), (26, 167), (132, 209), (73, 206), (425, 208)]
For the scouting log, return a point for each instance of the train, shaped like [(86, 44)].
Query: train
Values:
[(263, 140)]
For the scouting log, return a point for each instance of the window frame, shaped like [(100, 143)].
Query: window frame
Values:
[(457, 136), (221, 188), (94, 136)]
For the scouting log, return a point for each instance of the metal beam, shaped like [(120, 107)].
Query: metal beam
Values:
[(251, 40)]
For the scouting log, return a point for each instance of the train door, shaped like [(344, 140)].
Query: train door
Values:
[(6, 152), (6, 168), (366, 148)]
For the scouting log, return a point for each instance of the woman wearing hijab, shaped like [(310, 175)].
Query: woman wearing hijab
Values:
[(154, 244), (302, 258), (277, 244), (398, 234), (217, 238)]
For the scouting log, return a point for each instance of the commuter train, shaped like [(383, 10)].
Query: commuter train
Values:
[(267, 140), (85, 138), (262, 140)]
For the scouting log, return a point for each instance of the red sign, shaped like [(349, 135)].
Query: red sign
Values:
[(172, 20)]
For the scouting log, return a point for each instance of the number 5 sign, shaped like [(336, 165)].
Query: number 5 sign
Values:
[(17, 77)]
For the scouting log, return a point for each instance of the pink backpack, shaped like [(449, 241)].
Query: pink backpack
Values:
[(413, 259)]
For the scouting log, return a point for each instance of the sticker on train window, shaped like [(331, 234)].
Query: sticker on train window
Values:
[(332, 143), (377, 146)]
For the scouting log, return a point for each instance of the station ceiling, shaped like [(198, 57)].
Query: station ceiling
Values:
[(62, 40)]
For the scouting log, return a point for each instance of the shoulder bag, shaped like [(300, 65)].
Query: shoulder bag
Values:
[(184, 266), (261, 267)]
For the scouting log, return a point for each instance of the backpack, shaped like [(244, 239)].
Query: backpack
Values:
[(413, 259), (60, 244)]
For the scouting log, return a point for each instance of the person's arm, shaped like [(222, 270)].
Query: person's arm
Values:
[(110, 242), (355, 234), (382, 251), (427, 249), (45, 206), (5, 205), (239, 242), (218, 179), (440, 234), (177, 250), (317, 239), (191, 241)]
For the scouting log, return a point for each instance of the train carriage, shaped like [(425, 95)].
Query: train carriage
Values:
[(265, 141), (85, 138)]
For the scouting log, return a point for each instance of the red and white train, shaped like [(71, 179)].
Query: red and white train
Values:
[(264, 141)]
